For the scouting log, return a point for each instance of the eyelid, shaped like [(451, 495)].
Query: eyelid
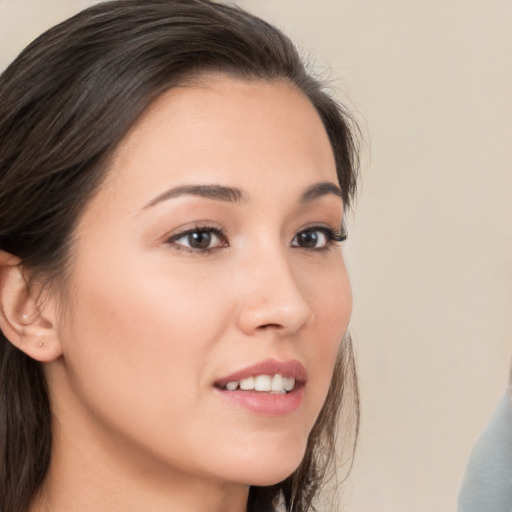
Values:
[(340, 233)]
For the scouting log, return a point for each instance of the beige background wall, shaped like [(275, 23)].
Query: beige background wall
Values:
[(430, 248)]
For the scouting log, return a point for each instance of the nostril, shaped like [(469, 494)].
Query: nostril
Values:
[(270, 326)]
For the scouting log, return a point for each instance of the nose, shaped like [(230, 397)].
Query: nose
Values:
[(273, 298)]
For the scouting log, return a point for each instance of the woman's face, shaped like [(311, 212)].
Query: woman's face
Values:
[(205, 260)]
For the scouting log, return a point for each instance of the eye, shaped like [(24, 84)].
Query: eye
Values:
[(199, 239), (317, 237)]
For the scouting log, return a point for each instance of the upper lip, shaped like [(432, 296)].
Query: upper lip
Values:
[(292, 368)]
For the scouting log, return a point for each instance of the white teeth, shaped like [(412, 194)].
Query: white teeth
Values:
[(247, 384), (231, 386), (289, 384), (265, 383), (278, 383)]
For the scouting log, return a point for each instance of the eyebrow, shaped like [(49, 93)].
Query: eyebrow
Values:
[(319, 190), (218, 192), (235, 195)]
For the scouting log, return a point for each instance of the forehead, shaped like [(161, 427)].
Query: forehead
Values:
[(247, 134)]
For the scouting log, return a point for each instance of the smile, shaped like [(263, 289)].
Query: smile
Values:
[(276, 384), (270, 388)]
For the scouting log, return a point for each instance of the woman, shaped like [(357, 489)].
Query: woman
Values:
[(173, 298)]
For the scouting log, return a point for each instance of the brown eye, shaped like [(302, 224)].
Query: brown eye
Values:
[(309, 239), (199, 239), (316, 238)]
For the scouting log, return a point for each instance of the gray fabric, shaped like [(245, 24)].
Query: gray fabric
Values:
[(487, 483)]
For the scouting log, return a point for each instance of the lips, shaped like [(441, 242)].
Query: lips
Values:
[(271, 388)]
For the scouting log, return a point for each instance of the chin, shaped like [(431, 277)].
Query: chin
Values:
[(269, 468), (272, 478)]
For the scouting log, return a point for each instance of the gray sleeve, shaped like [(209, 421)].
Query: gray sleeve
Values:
[(487, 482)]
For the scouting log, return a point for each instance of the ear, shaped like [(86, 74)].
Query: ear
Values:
[(26, 322)]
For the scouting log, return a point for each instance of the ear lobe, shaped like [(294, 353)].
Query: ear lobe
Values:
[(22, 320)]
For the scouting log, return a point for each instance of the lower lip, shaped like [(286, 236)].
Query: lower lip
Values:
[(267, 404)]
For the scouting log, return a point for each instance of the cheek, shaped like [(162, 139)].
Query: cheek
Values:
[(136, 352), (331, 298), (332, 305), (145, 336)]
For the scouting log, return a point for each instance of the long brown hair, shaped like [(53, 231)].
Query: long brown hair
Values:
[(65, 104)]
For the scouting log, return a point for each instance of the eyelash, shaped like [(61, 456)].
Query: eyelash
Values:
[(333, 238)]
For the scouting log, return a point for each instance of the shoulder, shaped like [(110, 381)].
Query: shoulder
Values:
[(487, 482)]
